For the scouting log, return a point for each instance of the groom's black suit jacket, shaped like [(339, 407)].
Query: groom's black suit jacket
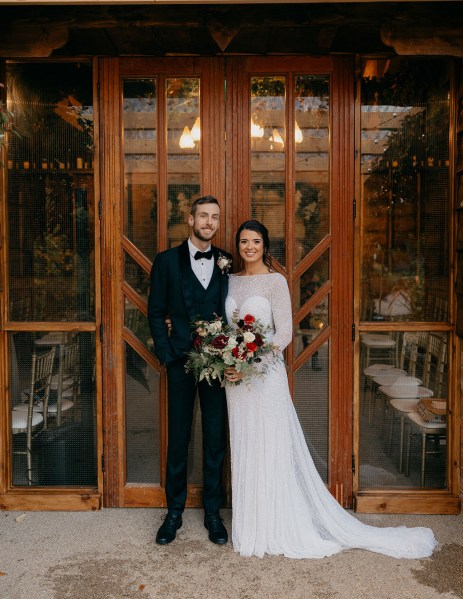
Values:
[(172, 294)]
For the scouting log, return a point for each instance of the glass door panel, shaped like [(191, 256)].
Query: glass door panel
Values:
[(311, 136), (140, 164), (183, 154), (267, 130), (51, 277), (142, 419), (404, 240), (140, 107), (284, 179), (162, 176), (311, 391), (289, 191)]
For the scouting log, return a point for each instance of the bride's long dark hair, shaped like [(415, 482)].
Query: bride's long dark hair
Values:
[(257, 227)]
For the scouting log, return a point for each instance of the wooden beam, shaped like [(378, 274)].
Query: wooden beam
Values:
[(223, 26), (406, 502), (436, 39)]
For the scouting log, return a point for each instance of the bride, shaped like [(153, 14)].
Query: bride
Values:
[(280, 503)]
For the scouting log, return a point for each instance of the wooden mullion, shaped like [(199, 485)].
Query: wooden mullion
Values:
[(379, 327), (36, 327), (134, 297), (111, 191), (5, 456), (138, 346), (97, 275), (290, 197), (315, 345), (310, 304), (454, 416), (342, 261), (312, 256), (136, 255), (161, 158)]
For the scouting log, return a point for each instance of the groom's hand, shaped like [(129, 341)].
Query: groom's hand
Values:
[(168, 325)]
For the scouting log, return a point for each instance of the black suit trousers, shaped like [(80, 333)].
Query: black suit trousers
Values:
[(182, 389)]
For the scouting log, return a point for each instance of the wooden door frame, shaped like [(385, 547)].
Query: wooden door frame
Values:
[(49, 497), (231, 182), (410, 500), (117, 492), (341, 72)]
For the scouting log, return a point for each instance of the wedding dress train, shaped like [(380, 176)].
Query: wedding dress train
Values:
[(280, 503)]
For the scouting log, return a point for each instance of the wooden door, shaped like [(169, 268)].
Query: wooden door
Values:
[(271, 138), (49, 260), (289, 164)]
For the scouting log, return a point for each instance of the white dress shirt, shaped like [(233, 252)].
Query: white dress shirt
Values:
[(202, 268)]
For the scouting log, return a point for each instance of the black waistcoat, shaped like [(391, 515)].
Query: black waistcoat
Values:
[(207, 301)]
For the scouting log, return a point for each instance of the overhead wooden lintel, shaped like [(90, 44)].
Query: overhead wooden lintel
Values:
[(430, 40)]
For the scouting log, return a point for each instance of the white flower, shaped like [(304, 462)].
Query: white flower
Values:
[(249, 337), (231, 342), (228, 358), (215, 326), (202, 332), (224, 263)]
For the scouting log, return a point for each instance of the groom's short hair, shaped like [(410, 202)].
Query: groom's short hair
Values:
[(203, 200)]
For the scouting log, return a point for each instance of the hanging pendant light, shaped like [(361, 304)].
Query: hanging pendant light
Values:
[(256, 130), (186, 141), (276, 137), (298, 137), (196, 130)]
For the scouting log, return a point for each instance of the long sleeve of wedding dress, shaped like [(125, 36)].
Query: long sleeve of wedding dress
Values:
[(280, 503)]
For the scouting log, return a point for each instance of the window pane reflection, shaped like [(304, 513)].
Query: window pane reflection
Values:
[(136, 276), (137, 323), (183, 158), (311, 400), (140, 164), (52, 406), (405, 190), (142, 392), (403, 409), (311, 106), (268, 192), (51, 193)]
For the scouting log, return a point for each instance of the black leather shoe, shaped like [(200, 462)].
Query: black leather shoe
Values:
[(168, 529), (217, 531)]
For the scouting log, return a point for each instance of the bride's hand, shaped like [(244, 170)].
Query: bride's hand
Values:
[(232, 375)]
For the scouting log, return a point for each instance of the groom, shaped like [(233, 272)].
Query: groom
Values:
[(190, 282)]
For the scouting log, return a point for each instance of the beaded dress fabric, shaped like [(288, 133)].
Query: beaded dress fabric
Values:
[(280, 504)]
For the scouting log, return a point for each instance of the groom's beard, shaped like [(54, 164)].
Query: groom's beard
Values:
[(200, 235)]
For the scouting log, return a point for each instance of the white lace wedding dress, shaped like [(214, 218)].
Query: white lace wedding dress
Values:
[(280, 503)]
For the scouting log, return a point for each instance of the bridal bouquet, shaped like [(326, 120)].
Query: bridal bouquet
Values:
[(217, 346)]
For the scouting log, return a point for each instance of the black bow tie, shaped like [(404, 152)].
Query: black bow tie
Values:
[(206, 255)]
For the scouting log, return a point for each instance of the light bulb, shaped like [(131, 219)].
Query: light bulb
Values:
[(277, 137), (196, 130), (186, 141), (256, 130), (298, 134)]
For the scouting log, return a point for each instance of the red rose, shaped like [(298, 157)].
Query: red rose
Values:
[(258, 340), (197, 343), (252, 347), (249, 319), (219, 342), (236, 352)]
